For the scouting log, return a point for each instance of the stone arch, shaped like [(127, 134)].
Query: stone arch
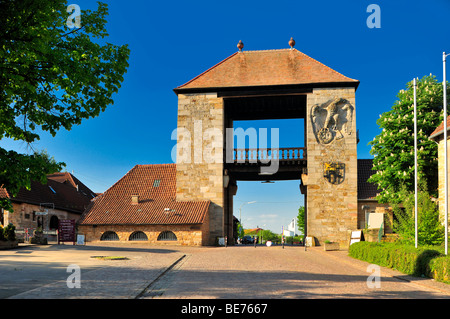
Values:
[(54, 222), (138, 236), (167, 236), (109, 236)]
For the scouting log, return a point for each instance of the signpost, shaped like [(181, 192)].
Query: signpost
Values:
[(357, 236), (66, 231)]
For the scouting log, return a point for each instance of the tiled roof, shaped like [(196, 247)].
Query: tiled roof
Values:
[(266, 67), (157, 200), (440, 129), (68, 178), (366, 190), (63, 195)]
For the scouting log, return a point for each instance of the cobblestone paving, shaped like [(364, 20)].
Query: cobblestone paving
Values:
[(173, 272)]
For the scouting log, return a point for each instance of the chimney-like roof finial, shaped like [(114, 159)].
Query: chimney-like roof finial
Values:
[(292, 43), (240, 45)]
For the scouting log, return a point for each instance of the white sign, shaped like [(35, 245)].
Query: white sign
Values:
[(41, 213), (356, 236), (80, 239), (375, 220)]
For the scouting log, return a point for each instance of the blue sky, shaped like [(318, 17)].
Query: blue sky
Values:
[(172, 42)]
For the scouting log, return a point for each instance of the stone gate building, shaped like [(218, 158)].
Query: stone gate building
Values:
[(270, 84), (249, 85)]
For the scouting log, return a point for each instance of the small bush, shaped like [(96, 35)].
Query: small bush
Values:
[(440, 269), (2, 236), (9, 232)]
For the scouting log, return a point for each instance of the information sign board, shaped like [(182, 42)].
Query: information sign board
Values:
[(66, 230)]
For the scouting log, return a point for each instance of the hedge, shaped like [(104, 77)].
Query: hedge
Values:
[(419, 262)]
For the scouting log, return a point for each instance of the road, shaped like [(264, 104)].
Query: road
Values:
[(174, 272)]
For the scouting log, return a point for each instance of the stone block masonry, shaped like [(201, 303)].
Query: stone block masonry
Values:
[(200, 155), (332, 211), (187, 235)]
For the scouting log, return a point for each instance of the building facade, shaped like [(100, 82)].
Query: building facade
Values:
[(43, 205)]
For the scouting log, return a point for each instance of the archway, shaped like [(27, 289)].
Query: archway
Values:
[(54, 222)]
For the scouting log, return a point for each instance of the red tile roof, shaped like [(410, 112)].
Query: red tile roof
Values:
[(157, 200), (266, 67), (64, 196), (440, 129)]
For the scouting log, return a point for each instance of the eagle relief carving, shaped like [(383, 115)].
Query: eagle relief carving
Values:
[(331, 120)]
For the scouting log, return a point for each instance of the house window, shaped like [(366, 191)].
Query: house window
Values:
[(109, 236), (138, 236), (167, 236), (156, 182)]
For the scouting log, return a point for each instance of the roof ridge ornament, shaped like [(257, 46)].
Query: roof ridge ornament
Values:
[(240, 45), (292, 43)]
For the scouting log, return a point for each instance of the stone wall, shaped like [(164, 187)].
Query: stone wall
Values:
[(190, 235), (24, 216), (200, 155), (332, 209)]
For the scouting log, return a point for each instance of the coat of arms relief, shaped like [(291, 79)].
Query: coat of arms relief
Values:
[(331, 120)]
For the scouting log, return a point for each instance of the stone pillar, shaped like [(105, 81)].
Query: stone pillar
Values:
[(331, 146), (200, 155)]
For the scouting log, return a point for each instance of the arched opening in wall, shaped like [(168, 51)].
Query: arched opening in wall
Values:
[(269, 209), (266, 202), (167, 236), (54, 222), (138, 236), (109, 236)]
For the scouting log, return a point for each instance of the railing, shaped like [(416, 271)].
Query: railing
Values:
[(259, 155)]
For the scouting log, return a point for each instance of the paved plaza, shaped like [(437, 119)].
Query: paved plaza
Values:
[(175, 272)]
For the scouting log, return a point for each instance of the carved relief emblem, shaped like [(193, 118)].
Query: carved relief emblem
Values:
[(331, 120), (334, 173)]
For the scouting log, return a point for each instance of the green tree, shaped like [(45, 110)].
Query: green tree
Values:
[(430, 230), (240, 230), (51, 77), (301, 219), (393, 148), (269, 235)]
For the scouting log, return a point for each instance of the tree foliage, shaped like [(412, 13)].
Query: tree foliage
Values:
[(393, 148), (430, 230), (51, 77), (301, 219)]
